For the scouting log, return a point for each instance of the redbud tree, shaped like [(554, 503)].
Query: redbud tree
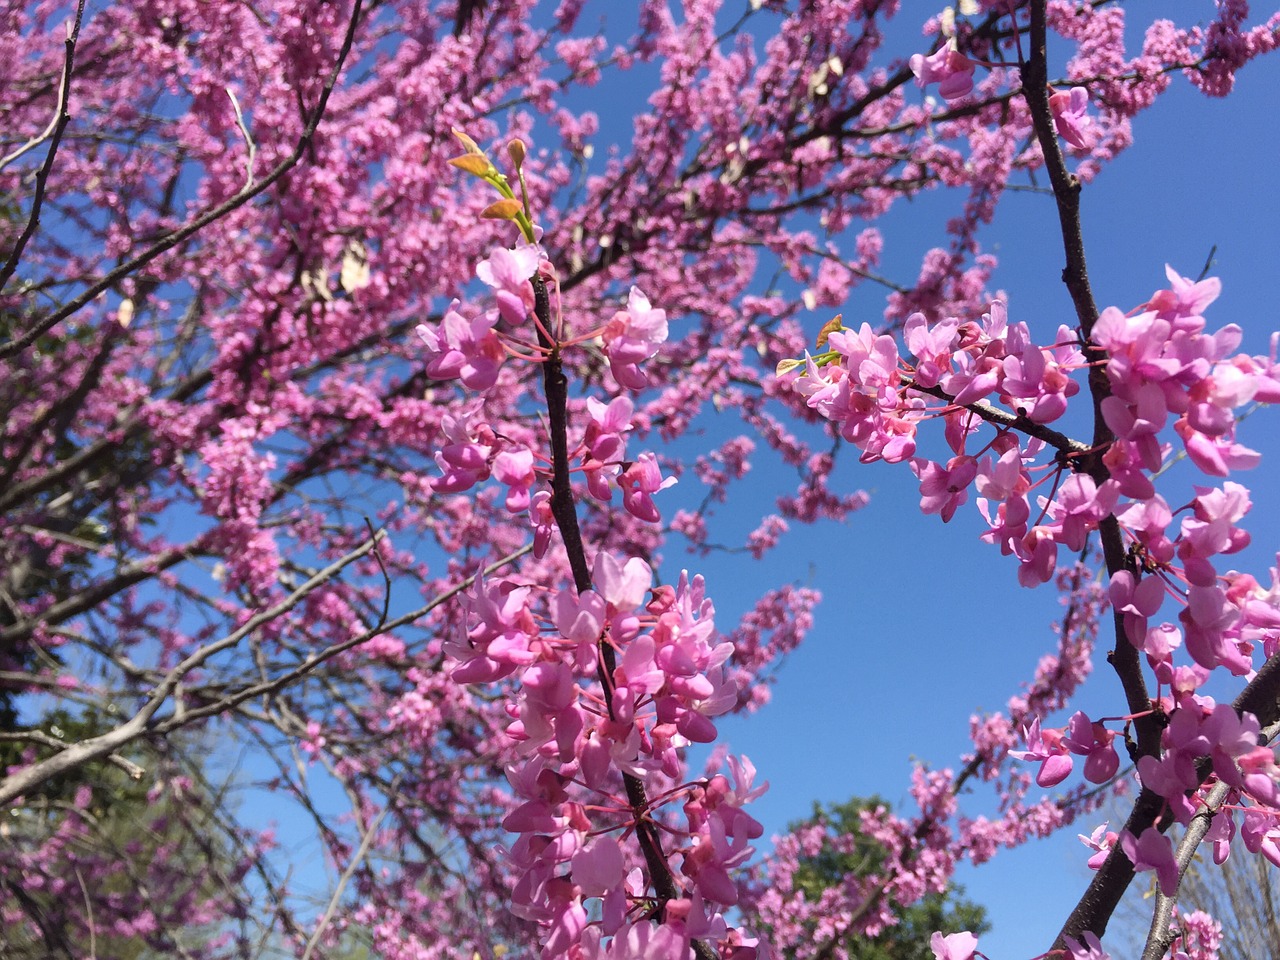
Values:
[(344, 352)]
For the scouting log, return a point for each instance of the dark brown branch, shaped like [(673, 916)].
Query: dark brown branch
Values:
[(1005, 420), (1066, 191), (1099, 902)]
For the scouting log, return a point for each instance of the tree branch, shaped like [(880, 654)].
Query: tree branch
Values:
[(555, 385), (53, 134), (77, 754)]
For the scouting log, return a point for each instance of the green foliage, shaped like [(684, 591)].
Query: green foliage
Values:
[(864, 857)]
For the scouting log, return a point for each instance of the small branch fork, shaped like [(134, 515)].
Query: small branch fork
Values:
[(53, 134), (188, 230), (563, 508)]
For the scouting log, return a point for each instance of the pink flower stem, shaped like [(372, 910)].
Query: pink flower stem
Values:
[(1017, 32)]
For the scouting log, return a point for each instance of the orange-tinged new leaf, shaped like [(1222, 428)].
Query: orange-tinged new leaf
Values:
[(502, 209), (467, 142), (472, 163), (831, 326)]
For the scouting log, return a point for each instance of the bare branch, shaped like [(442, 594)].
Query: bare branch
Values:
[(104, 745), (251, 148), (366, 841), (64, 84), (266, 687), (42, 738)]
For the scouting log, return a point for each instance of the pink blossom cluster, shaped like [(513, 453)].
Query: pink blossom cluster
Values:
[(611, 681), (1160, 365), (472, 351), (263, 372), (922, 851)]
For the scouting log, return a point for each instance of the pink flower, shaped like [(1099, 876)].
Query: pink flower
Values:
[(515, 469), (1094, 742), (605, 442), (1070, 117), (1100, 841), (633, 336), (954, 946), (1079, 507), (508, 272), (599, 866), (1048, 748), (947, 67), (1137, 599), (639, 482), (543, 520), (1153, 851), (1091, 949), (1185, 297), (462, 348), (464, 461), (944, 489), (579, 618)]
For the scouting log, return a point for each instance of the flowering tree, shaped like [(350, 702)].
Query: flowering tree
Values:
[(314, 444)]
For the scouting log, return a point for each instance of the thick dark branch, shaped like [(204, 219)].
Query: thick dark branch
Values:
[(1066, 447), (1099, 901), (1066, 187), (1066, 191)]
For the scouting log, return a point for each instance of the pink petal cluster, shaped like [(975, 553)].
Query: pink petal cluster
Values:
[(632, 337), (1070, 115), (947, 67), (668, 683), (1166, 375), (463, 349)]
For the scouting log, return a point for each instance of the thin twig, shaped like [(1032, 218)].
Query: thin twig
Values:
[(88, 917), (64, 82), (265, 687), (251, 148), (366, 841), (75, 755)]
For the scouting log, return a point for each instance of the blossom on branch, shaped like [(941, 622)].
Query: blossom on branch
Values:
[(947, 67)]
